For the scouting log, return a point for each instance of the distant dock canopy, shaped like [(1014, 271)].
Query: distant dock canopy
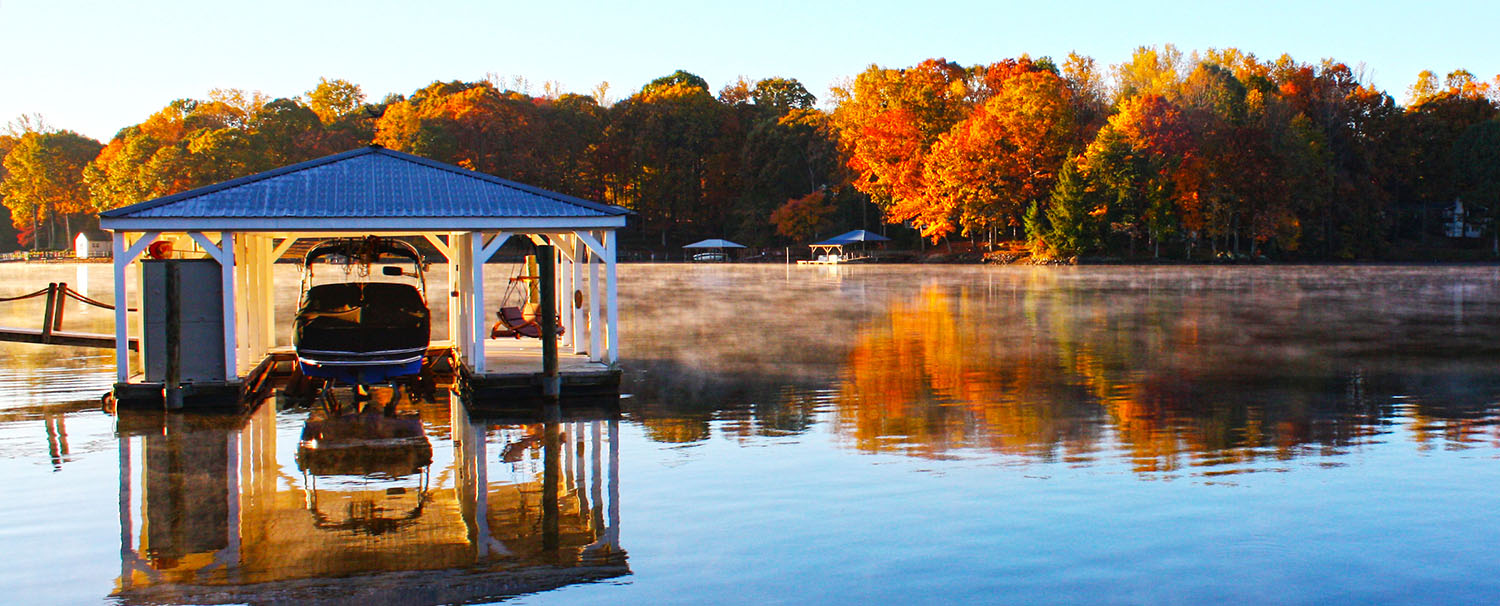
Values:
[(712, 249), (245, 224), (832, 251)]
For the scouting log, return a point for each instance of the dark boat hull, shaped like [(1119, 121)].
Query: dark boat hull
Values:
[(362, 332)]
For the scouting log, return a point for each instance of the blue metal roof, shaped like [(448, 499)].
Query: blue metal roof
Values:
[(366, 183), (850, 237)]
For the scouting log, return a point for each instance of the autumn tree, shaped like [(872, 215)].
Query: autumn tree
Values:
[(1151, 70), (334, 99), (888, 120), (984, 173), (1132, 161), (44, 182), (671, 148), (781, 95), (803, 217)]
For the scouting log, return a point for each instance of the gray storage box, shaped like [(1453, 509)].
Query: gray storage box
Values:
[(200, 325)]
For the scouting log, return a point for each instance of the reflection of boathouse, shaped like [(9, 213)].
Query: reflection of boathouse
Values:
[(215, 509)]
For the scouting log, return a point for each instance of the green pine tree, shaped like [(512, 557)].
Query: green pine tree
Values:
[(1068, 215)]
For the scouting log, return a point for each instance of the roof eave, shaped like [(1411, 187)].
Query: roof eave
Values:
[(359, 224)]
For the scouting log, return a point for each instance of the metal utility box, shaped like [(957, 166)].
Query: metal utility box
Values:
[(199, 325)]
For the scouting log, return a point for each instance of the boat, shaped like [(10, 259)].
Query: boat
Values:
[(366, 326), (374, 464)]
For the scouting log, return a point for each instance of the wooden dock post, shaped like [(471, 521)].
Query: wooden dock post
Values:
[(172, 394), (551, 476), (47, 316), (546, 264), (57, 313)]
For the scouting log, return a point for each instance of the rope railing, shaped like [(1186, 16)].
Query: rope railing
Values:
[(82, 298), (25, 296), (66, 291), (57, 294)]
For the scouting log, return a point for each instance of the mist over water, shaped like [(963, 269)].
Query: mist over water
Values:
[(846, 434)]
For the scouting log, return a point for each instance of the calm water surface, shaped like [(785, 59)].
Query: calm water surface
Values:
[(883, 434)]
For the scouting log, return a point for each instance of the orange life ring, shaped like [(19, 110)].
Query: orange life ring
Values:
[(160, 249)]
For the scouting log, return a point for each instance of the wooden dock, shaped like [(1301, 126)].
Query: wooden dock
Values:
[(511, 385), (51, 332), (60, 337)]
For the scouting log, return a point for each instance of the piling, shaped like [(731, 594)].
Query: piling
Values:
[(57, 313), (551, 480), (547, 281), (173, 312), (53, 303)]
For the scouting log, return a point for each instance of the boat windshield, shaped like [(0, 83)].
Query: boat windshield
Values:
[(368, 259)]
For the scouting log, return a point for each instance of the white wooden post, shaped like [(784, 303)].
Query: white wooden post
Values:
[(611, 250), (596, 328), (463, 285), (231, 334), (580, 256), (124, 255), (476, 302), (244, 284), (268, 258), (122, 321), (564, 278), (482, 251)]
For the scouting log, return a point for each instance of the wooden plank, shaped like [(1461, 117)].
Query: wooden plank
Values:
[(58, 337)]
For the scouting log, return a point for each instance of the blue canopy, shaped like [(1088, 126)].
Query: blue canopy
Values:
[(858, 235), (714, 243)]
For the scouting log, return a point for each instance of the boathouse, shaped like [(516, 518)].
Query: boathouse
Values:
[(246, 224)]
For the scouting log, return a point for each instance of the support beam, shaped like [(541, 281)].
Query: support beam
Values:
[(596, 327), (285, 245), (482, 251), (440, 245), (124, 254), (611, 247), (214, 250), (456, 292), (575, 311), (591, 242), (122, 321), (267, 267), (226, 267)]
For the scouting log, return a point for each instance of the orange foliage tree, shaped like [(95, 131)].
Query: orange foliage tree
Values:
[(801, 218), (985, 171), (888, 120)]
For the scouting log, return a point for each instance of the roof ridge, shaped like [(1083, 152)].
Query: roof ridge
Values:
[(474, 174), (239, 181), (560, 204)]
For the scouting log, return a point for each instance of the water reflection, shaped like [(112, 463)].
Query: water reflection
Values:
[(416, 503), (1170, 370), (1169, 374)]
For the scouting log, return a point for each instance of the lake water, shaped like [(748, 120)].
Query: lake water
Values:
[(851, 435)]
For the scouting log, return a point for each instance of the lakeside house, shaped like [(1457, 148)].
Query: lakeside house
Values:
[(92, 244)]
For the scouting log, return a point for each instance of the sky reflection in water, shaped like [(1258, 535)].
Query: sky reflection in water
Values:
[(849, 434)]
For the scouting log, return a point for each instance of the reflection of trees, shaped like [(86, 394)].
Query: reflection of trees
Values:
[(1172, 375), (922, 381)]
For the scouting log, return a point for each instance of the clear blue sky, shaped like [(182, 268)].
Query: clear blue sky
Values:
[(96, 67)]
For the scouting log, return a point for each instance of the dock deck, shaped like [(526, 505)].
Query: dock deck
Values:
[(511, 379)]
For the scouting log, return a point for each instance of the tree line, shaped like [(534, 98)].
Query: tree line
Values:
[(1164, 155)]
